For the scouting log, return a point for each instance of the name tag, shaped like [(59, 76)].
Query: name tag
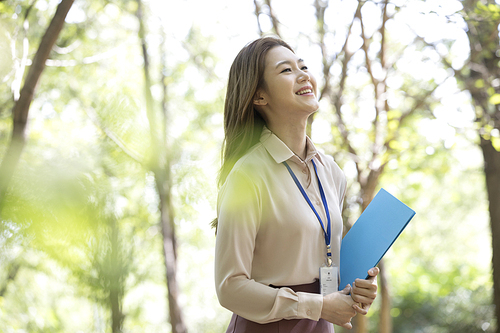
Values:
[(328, 279)]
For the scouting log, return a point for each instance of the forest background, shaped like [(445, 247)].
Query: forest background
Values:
[(108, 172)]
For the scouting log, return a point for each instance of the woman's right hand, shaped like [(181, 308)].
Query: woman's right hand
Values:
[(338, 308)]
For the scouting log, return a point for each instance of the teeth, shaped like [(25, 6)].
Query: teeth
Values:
[(306, 91)]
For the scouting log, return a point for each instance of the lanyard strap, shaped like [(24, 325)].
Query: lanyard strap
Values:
[(328, 231)]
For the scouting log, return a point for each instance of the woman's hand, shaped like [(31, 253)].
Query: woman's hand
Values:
[(338, 308), (364, 291)]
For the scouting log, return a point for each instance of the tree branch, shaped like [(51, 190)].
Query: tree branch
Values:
[(258, 11), (274, 19), (379, 86), (22, 105), (119, 142), (337, 98), (321, 6), (85, 61), (420, 101), (385, 18), (19, 73), (365, 46)]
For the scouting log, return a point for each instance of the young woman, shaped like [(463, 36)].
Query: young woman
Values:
[(279, 205)]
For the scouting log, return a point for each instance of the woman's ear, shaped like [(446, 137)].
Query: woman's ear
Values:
[(259, 99)]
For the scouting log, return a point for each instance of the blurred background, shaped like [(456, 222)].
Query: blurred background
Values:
[(108, 174)]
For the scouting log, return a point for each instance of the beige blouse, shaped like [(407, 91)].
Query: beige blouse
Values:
[(269, 235)]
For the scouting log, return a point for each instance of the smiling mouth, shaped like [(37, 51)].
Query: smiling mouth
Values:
[(304, 91)]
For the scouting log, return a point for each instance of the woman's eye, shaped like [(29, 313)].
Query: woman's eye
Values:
[(304, 68), (286, 70)]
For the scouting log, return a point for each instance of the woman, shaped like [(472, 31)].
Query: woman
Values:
[(279, 205)]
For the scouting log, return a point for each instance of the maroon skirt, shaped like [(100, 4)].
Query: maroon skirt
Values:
[(241, 325)]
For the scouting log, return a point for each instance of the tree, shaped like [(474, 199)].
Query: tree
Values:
[(53, 217), (80, 232), (22, 105), (480, 76), (260, 9), (390, 116), (160, 164), (363, 72)]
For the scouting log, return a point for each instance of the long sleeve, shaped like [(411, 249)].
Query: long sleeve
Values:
[(240, 216)]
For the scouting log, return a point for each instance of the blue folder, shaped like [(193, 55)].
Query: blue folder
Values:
[(371, 236)]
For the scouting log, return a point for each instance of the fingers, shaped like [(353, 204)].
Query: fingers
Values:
[(365, 284), (347, 325), (338, 308), (345, 322), (360, 308), (346, 290), (363, 292), (370, 284), (373, 271), (363, 300), (364, 288), (372, 275)]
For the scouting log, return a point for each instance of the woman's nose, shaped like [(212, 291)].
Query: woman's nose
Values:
[(304, 76)]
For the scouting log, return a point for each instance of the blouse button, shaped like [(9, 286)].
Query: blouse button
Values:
[(304, 171), (309, 312)]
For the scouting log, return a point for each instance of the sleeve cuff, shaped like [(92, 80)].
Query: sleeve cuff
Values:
[(310, 306)]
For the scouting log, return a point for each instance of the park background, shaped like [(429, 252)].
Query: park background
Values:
[(108, 175)]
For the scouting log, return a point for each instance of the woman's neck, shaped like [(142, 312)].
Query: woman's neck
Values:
[(293, 135)]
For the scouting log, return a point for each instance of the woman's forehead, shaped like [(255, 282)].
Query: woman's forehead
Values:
[(280, 55)]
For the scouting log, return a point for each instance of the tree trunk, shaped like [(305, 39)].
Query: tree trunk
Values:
[(116, 279), (385, 324), (492, 177), (11, 276), (483, 34), (170, 253), (360, 323), (160, 166), (22, 105)]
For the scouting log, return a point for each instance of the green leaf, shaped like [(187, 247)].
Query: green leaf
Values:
[(495, 99), (481, 6), (495, 141), (494, 8)]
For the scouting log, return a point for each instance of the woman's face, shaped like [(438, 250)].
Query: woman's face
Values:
[(289, 88)]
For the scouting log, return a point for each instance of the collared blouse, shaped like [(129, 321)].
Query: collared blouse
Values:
[(268, 234)]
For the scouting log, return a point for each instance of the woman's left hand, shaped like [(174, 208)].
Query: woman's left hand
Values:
[(363, 292)]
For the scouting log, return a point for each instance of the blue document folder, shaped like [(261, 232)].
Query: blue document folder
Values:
[(371, 236)]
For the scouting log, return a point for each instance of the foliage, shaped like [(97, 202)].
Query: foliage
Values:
[(80, 221), (438, 286)]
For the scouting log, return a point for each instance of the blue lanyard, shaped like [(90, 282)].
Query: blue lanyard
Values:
[(328, 231)]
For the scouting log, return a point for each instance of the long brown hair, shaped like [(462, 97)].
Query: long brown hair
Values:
[(242, 122)]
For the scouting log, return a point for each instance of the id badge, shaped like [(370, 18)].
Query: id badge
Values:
[(328, 279)]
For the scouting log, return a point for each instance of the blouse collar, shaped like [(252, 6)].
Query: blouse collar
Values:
[(280, 151)]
